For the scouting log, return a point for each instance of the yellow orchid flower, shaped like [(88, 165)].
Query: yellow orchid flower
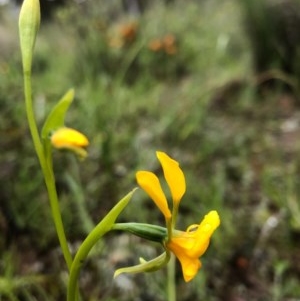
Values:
[(190, 245), (187, 246), (67, 138)]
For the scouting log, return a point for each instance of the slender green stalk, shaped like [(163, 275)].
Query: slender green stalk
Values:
[(171, 287), (174, 213), (29, 22), (31, 118), (56, 215), (46, 166)]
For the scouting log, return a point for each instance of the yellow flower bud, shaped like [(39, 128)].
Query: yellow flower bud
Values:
[(67, 138)]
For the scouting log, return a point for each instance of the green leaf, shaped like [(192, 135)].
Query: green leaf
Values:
[(56, 118), (110, 219), (95, 235), (104, 226)]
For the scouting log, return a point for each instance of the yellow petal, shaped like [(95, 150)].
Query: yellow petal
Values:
[(173, 175), (190, 245), (190, 268), (189, 265), (149, 182), (210, 223), (68, 138), (204, 232), (184, 240)]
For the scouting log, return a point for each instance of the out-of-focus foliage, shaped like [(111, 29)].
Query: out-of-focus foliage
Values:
[(177, 78)]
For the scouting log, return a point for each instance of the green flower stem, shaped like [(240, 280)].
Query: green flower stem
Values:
[(174, 214), (31, 118), (93, 237), (46, 166), (171, 287), (169, 224), (56, 215)]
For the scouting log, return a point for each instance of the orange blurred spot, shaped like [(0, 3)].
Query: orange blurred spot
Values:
[(169, 42), (155, 45), (123, 34), (166, 44), (128, 31)]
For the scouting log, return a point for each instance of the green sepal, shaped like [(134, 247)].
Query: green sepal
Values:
[(146, 266), (147, 231), (56, 117)]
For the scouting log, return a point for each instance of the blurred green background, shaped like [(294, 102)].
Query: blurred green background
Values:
[(212, 83)]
